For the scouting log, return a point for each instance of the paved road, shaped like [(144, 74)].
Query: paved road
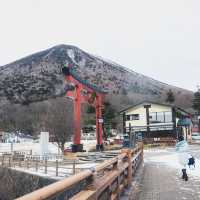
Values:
[(162, 179)]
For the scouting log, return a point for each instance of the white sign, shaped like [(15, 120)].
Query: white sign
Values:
[(100, 120)]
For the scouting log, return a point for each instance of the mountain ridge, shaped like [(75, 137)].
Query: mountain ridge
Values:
[(39, 77), (145, 76)]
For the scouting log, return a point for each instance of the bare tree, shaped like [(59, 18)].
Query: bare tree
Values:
[(54, 116), (60, 121)]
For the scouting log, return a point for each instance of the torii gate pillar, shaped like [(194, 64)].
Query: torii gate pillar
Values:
[(77, 146), (99, 121)]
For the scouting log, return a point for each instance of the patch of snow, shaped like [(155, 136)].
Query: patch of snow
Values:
[(174, 159)]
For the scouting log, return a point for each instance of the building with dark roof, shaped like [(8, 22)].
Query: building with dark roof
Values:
[(157, 120)]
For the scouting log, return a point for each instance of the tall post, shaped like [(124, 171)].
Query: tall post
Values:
[(77, 120), (198, 123), (186, 133), (99, 121), (130, 136), (147, 118), (124, 123), (175, 132)]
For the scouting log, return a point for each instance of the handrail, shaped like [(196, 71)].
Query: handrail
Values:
[(116, 170), (110, 162), (60, 186)]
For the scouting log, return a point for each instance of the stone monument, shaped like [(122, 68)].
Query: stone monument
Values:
[(44, 142)]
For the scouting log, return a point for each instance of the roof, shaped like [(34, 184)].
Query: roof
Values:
[(151, 102)]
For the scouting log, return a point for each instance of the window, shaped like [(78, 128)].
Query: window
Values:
[(128, 117), (168, 117), (135, 117), (160, 117), (132, 117), (152, 117)]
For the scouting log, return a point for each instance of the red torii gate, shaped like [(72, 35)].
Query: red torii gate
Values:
[(80, 91)]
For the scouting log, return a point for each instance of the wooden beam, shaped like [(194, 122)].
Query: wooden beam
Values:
[(85, 195)]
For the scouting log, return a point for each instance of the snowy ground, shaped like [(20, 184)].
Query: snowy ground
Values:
[(65, 167), (162, 175), (35, 147), (173, 159), (63, 170)]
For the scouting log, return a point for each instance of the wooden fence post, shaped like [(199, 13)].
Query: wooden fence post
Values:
[(11, 146), (2, 161), (19, 162), (142, 146), (45, 166), (27, 164), (74, 167), (56, 167), (130, 167), (9, 162), (36, 165)]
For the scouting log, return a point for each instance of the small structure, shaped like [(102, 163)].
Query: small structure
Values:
[(155, 121), (44, 142)]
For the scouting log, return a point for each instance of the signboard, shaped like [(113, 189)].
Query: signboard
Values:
[(100, 120)]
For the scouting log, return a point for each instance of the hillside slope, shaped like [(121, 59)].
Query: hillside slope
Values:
[(39, 77)]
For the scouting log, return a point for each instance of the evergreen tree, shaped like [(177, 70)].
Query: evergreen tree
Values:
[(170, 97), (196, 101), (90, 109), (109, 117)]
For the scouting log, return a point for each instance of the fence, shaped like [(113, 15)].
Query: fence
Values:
[(106, 181), (41, 164)]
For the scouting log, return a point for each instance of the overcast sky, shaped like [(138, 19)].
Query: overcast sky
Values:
[(158, 38)]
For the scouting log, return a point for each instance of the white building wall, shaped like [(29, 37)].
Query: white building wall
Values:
[(142, 113)]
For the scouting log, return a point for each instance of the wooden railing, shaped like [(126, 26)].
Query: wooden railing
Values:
[(106, 181), (56, 168)]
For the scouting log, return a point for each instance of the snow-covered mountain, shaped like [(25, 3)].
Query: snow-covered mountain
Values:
[(39, 76)]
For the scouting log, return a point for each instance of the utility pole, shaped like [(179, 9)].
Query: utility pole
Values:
[(147, 118), (124, 123)]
